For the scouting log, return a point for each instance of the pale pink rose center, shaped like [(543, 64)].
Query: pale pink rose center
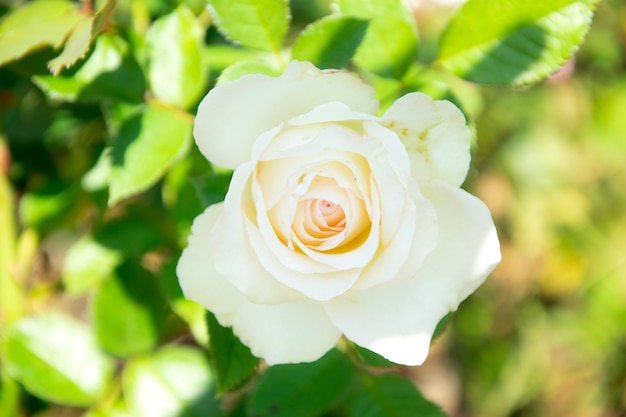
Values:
[(323, 218)]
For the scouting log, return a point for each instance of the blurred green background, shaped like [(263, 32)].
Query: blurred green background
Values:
[(544, 336)]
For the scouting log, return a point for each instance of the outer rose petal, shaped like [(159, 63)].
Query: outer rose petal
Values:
[(270, 330), (397, 320), (468, 248), (286, 333), (196, 272), (233, 115), (435, 135), (330, 112)]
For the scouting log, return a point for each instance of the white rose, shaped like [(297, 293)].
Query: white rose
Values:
[(336, 221)]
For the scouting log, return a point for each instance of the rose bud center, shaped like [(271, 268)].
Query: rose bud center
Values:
[(324, 217)]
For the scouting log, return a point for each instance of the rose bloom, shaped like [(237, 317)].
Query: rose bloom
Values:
[(336, 221)]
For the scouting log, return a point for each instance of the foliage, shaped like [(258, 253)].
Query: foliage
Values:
[(100, 181)]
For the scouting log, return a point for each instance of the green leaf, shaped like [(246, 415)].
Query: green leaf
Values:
[(221, 56), (513, 42), (36, 25), (241, 68), (257, 24), (117, 113), (193, 314), (387, 89), (109, 72), (128, 312), (441, 326), (9, 395), (145, 148), (180, 198), (76, 47), (118, 409), (211, 186), (232, 360), (391, 395), (80, 39), (87, 264), (175, 382), (177, 70), (330, 42), (370, 358), (169, 285), (390, 43), (196, 6), (46, 207), (304, 389), (97, 178), (56, 359), (134, 234)]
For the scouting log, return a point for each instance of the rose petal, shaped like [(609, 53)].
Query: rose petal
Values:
[(286, 266), (409, 247), (391, 171), (390, 320), (196, 272), (330, 112), (435, 135), (233, 253), (292, 332), (397, 320), (468, 248), (233, 115), (286, 333)]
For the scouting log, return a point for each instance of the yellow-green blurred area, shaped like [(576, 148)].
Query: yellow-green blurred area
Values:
[(546, 334)]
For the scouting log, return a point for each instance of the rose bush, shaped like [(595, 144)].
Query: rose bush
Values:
[(336, 221)]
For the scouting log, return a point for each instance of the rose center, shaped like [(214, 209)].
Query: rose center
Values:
[(332, 213), (324, 217), (327, 207)]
